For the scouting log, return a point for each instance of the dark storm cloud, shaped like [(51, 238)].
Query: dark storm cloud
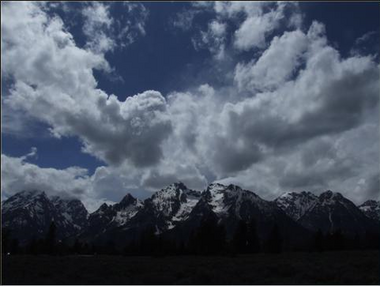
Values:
[(232, 157), (317, 177)]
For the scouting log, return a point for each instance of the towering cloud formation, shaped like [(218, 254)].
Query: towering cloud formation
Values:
[(54, 82), (296, 115)]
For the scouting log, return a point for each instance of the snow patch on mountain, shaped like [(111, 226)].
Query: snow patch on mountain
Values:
[(295, 204), (216, 199), (26, 200), (186, 208), (125, 214), (371, 209), (30, 213), (72, 209), (174, 203), (225, 200)]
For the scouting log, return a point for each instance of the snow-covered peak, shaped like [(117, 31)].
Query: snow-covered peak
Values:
[(168, 200), (173, 190), (124, 215), (29, 214), (173, 204), (126, 201), (126, 209), (295, 195), (30, 194), (370, 203), (217, 191), (216, 187), (24, 199), (329, 198), (72, 209), (296, 204), (102, 209), (333, 211), (179, 185), (371, 209), (66, 202), (224, 199)]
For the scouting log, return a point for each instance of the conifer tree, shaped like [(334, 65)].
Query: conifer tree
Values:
[(209, 238), (338, 240), (253, 241), (77, 247), (6, 240), (240, 237), (51, 238), (274, 241), (319, 241), (148, 241), (15, 246)]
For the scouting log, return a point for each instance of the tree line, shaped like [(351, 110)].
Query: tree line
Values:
[(208, 239)]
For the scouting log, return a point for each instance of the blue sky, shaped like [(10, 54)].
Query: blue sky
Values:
[(185, 49)]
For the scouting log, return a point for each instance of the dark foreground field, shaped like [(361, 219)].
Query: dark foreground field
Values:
[(351, 267)]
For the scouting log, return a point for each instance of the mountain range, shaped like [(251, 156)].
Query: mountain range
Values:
[(176, 211)]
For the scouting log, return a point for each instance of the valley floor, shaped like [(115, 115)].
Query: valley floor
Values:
[(346, 267)]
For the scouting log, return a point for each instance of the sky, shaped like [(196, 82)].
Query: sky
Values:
[(100, 99)]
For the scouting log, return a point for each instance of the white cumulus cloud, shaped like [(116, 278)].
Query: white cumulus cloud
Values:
[(297, 115)]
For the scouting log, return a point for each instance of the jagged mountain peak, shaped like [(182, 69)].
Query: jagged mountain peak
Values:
[(68, 203), (126, 209), (228, 190), (330, 196), (168, 206), (371, 203), (296, 204), (72, 209), (326, 211), (25, 199), (233, 187), (230, 204), (29, 214), (227, 199), (108, 217), (103, 208), (296, 194), (300, 197), (164, 208), (371, 209), (127, 200), (179, 185), (333, 211), (175, 189), (168, 200), (75, 203), (30, 194), (215, 188), (179, 208)]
